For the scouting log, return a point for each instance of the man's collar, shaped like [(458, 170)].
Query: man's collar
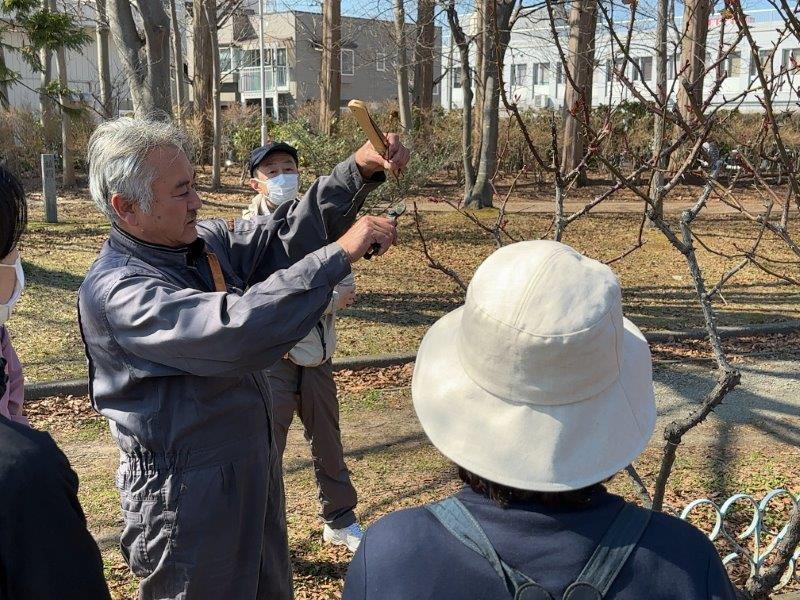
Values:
[(156, 253)]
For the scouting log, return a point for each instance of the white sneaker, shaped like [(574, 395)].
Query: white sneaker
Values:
[(349, 536)]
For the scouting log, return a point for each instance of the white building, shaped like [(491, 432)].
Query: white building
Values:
[(533, 70)]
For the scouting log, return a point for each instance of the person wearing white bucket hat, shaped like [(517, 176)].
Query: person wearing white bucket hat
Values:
[(539, 390)]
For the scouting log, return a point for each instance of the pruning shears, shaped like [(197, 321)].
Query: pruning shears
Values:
[(393, 213)]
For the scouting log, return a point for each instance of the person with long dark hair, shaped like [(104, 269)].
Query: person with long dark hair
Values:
[(13, 219), (46, 550)]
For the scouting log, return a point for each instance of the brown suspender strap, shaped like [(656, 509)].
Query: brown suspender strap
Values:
[(216, 272)]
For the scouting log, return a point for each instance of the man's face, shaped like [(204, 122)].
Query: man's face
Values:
[(275, 164), (172, 218)]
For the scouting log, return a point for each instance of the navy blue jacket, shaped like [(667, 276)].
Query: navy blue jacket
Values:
[(45, 549), (409, 554)]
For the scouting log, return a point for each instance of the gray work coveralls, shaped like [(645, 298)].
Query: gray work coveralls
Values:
[(177, 368)]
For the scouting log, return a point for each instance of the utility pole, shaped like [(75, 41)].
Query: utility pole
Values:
[(264, 132)]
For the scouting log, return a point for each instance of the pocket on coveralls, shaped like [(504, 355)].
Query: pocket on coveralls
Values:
[(147, 533)]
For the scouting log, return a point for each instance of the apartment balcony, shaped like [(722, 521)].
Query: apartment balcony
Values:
[(276, 79)]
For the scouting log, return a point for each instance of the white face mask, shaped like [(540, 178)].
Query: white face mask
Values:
[(5, 309), (282, 188)]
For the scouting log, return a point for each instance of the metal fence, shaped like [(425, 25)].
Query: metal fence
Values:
[(751, 527)]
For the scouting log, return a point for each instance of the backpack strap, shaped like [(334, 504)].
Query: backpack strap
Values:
[(610, 555), (455, 517)]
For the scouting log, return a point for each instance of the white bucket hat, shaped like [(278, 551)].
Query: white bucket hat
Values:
[(537, 382)]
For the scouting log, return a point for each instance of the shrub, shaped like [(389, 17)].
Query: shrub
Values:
[(21, 141)]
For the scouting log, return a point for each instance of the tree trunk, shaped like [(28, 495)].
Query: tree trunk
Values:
[(177, 57), (401, 65), (423, 57), (216, 146), (659, 122), (4, 100), (330, 89), (495, 44), (202, 78), (46, 108), (480, 75), (582, 25), (67, 156), (147, 72), (457, 33), (103, 61), (693, 52)]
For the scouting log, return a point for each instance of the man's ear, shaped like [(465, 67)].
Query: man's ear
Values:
[(125, 210), (255, 185)]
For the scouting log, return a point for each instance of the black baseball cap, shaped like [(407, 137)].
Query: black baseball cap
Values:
[(262, 152)]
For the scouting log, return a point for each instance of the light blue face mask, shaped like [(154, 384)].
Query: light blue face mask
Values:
[(283, 188)]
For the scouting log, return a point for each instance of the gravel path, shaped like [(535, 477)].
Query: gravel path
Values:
[(766, 405)]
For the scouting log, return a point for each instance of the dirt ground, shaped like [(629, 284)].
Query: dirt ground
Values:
[(750, 445)]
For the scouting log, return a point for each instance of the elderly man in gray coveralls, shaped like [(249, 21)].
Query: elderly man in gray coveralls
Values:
[(179, 319)]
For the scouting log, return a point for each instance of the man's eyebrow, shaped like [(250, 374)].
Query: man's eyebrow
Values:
[(184, 182)]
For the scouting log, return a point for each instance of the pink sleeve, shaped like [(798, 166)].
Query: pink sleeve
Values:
[(11, 402)]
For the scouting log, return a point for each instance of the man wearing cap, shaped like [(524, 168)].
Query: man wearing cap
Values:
[(303, 380), (539, 390), (180, 318), (274, 176)]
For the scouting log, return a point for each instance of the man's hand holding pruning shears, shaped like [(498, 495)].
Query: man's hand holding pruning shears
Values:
[(380, 153)]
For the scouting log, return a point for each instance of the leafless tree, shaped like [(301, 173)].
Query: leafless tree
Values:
[(67, 155), (659, 120), (177, 59), (423, 56), (693, 55), (4, 100), (499, 19), (216, 145), (103, 60), (145, 55), (330, 86), (578, 98), (463, 43), (401, 65), (46, 104), (202, 76)]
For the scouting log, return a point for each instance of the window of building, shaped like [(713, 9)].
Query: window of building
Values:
[(766, 64), (559, 73), (612, 66), (251, 58), (519, 75), (733, 64), (791, 58), (672, 66), (348, 58), (280, 57), (644, 72), (225, 62), (541, 73), (456, 77), (380, 61)]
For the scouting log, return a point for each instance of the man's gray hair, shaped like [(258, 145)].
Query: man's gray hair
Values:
[(117, 153)]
